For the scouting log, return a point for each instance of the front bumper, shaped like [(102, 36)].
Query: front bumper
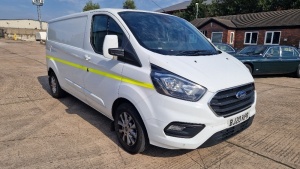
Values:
[(167, 110), (227, 133)]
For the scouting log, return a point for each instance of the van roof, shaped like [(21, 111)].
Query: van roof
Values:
[(111, 10)]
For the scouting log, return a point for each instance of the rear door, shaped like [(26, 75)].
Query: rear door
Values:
[(290, 59)]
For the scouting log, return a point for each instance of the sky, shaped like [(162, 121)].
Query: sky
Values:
[(23, 9)]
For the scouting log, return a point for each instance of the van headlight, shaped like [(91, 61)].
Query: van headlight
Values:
[(172, 85)]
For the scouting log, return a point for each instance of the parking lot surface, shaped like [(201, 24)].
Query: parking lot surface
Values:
[(38, 131)]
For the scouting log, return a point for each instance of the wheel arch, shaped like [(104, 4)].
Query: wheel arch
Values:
[(251, 65), (122, 100), (50, 71)]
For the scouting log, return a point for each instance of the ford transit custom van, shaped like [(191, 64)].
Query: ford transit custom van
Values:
[(155, 75)]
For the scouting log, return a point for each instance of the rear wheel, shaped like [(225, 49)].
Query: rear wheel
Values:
[(130, 129), (298, 72), (249, 68), (56, 90)]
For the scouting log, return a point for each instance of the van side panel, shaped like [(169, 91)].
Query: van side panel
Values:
[(69, 31), (64, 48)]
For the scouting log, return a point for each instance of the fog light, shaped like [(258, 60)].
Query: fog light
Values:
[(183, 130), (176, 128)]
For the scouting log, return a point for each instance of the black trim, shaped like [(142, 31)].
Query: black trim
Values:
[(130, 55), (225, 103), (189, 131), (227, 133)]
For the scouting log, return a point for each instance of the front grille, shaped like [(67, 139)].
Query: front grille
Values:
[(225, 103), (227, 133)]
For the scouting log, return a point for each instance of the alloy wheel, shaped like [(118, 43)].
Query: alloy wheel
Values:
[(127, 129), (53, 84)]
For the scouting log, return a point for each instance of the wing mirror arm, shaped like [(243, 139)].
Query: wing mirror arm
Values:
[(119, 52)]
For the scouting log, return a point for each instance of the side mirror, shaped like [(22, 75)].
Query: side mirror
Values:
[(110, 41)]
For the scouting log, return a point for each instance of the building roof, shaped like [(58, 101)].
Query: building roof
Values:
[(180, 6), (176, 7), (255, 20)]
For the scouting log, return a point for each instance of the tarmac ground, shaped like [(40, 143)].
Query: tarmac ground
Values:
[(38, 131)]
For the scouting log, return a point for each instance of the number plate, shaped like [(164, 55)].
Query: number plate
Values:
[(238, 119)]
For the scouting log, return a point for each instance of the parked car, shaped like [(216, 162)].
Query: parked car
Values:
[(270, 59), (154, 75), (225, 48)]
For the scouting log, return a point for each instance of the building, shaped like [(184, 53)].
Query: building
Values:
[(24, 29), (180, 7), (269, 28)]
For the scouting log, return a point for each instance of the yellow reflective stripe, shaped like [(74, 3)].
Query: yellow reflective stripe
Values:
[(109, 75), (138, 83), (102, 73), (67, 63)]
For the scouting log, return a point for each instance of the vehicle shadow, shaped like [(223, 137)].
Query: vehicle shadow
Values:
[(274, 76), (102, 123)]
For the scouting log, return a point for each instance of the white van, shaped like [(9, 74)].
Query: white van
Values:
[(155, 75)]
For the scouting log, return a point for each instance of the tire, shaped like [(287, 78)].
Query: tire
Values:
[(130, 129), (55, 89), (249, 68), (298, 72)]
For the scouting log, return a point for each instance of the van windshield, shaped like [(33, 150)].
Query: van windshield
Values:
[(167, 35)]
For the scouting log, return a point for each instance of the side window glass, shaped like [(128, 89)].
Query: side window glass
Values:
[(273, 52), (99, 30), (104, 25), (287, 52), (114, 29), (296, 53)]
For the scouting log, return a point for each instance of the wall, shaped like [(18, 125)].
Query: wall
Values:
[(215, 27), (23, 29), (289, 36), (26, 24), (21, 34)]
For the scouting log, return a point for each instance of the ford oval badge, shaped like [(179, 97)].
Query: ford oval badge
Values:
[(241, 94)]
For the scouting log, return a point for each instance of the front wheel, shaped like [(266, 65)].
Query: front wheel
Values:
[(130, 129)]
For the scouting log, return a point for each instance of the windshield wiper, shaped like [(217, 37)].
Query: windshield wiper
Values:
[(195, 53)]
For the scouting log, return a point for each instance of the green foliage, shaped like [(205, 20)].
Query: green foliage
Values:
[(179, 14), (273, 5), (90, 6), (129, 4), (190, 13), (234, 7)]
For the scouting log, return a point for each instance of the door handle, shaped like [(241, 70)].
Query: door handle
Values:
[(87, 57)]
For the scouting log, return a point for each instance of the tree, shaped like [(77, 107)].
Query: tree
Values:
[(233, 7), (191, 10), (180, 14), (129, 4), (273, 5), (91, 6)]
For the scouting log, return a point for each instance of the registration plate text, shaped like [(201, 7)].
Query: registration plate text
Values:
[(238, 119)]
